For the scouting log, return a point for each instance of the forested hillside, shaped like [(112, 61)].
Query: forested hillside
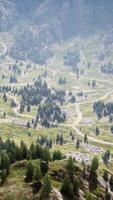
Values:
[(56, 99)]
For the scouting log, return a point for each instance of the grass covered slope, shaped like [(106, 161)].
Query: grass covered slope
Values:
[(56, 94)]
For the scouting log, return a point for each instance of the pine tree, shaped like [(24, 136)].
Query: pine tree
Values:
[(5, 97), (17, 153), (111, 183), (28, 125), (76, 186), (105, 175), (13, 104), (57, 139), (5, 162), (67, 188), (107, 196), (22, 107), (93, 175), (38, 151), (47, 187), (94, 164), (3, 176), (4, 114), (89, 197), (70, 168), (97, 131), (85, 139), (46, 155), (57, 155), (78, 144), (32, 151), (29, 172), (106, 157), (70, 164), (28, 108), (44, 166), (37, 174), (24, 150), (61, 140), (93, 180)]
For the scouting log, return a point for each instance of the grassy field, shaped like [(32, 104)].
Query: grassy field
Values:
[(55, 69)]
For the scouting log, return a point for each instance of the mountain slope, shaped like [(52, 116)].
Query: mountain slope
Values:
[(8, 14), (75, 16), (50, 21)]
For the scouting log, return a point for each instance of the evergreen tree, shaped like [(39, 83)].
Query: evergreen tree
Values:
[(106, 157), (17, 153), (85, 139), (57, 155), (13, 104), (5, 162), (97, 131), (46, 155), (28, 108), (32, 151), (111, 129), (67, 188), (38, 151), (28, 125), (93, 180), (24, 150), (105, 175), (4, 114), (37, 173), (107, 196), (93, 175), (76, 186), (78, 144), (94, 164), (89, 197), (3, 176), (29, 172), (47, 187), (70, 168), (44, 166), (5, 97), (61, 140), (111, 183), (22, 107)]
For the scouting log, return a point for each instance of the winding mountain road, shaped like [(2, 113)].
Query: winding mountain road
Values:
[(79, 118), (16, 109), (79, 115)]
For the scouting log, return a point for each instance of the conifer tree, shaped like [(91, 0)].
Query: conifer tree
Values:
[(47, 187), (95, 164), (105, 175), (29, 172), (37, 174), (67, 188), (3, 176), (46, 155), (111, 183)]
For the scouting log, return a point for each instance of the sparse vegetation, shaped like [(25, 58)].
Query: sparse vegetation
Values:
[(56, 108)]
